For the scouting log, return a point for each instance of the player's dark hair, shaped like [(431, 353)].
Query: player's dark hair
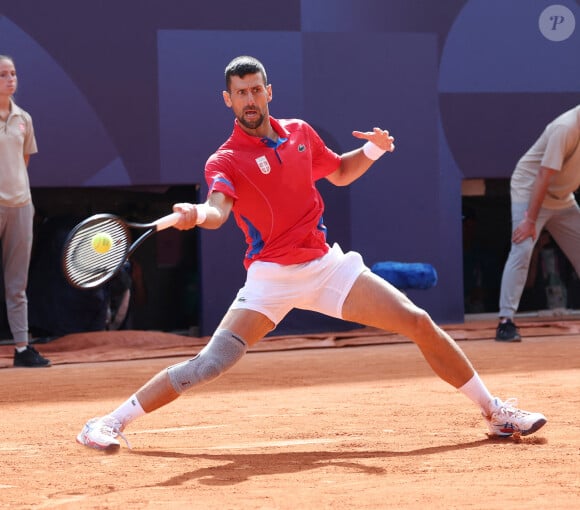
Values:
[(240, 66)]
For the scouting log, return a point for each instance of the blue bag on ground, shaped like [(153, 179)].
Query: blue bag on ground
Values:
[(407, 275)]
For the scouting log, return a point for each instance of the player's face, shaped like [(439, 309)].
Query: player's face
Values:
[(248, 98), (8, 79)]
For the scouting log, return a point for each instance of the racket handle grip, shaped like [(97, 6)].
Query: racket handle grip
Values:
[(167, 221)]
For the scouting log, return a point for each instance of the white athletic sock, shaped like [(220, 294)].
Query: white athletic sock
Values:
[(128, 411), (476, 391)]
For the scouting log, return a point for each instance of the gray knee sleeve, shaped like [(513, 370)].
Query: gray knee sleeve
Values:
[(221, 353)]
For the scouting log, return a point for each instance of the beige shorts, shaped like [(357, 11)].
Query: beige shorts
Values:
[(320, 285)]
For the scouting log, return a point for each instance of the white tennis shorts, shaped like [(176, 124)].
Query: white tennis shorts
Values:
[(320, 285)]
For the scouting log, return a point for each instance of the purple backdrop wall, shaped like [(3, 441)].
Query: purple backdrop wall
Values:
[(128, 94)]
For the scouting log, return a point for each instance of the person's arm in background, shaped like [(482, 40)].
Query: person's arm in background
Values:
[(527, 227)]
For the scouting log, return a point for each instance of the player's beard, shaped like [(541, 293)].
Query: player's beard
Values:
[(253, 124)]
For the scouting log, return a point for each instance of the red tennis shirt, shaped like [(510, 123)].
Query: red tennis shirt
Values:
[(276, 203)]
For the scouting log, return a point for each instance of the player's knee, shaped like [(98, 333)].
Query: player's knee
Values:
[(222, 352), (420, 323), (210, 370)]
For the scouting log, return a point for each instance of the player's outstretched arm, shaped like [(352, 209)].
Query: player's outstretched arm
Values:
[(381, 138), (355, 163), (212, 214)]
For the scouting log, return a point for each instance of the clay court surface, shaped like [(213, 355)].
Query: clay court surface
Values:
[(341, 421)]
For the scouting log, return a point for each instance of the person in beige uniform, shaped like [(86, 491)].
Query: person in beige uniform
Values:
[(17, 143), (542, 197)]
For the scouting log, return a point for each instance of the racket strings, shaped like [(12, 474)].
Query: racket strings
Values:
[(84, 266)]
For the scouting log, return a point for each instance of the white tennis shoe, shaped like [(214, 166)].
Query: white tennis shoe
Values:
[(101, 434), (505, 419)]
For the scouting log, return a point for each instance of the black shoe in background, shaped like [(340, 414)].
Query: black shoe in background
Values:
[(30, 358), (507, 332)]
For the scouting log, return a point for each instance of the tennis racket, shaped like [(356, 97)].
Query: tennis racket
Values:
[(84, 267)]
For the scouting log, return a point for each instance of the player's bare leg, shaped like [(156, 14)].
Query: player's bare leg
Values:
[(238, 330), (374, 302)]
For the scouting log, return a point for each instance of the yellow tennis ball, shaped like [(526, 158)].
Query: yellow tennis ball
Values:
[(102, 242)]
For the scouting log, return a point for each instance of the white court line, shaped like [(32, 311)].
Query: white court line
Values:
[(15, 447), (276, 444), (61, 501), (22, 448), (175, 429), (274, 415), (241, 446)]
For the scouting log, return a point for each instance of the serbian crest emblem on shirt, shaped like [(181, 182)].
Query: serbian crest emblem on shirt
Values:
[(263, 164)]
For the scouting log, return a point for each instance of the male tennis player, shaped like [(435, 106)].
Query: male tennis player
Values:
[(265, 174)]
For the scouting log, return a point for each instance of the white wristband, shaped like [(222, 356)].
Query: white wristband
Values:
[(201, 213), (372, 151)]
